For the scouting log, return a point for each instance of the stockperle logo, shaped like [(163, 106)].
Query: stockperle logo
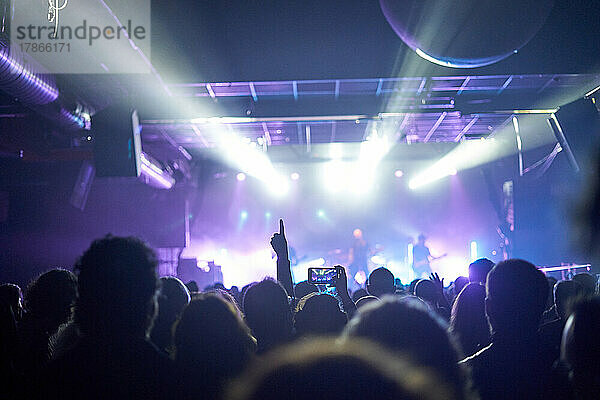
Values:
[(82, 36)]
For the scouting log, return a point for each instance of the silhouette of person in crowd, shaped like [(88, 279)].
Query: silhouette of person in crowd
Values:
[(351, 370), (551, 332), (515, 365), (117, 284), (267, 313), (409, 327), (319, 314), (587, 281), (173, 297), (381, 282), (468, 322), (212, 344), (304, 288), (48, 302), (580, 347), (479, 269)]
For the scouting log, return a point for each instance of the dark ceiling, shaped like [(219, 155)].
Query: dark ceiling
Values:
[(240, 40), (293, 59)]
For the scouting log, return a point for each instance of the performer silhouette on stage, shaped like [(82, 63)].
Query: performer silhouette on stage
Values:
[(358, 258), (421, 258)]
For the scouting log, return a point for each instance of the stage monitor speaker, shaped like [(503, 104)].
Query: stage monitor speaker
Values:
[(117, 144), (576, 127)]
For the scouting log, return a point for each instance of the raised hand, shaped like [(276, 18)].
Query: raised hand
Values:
[(279, 242), (439, 283), (342, 290), (341, 282)]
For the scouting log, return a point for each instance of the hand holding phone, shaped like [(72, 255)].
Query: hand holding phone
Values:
[(323, 276)]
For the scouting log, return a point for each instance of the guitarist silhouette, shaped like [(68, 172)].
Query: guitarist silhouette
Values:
[(422, 258)]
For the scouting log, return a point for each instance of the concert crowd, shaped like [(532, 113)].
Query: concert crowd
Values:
[(112, 329)]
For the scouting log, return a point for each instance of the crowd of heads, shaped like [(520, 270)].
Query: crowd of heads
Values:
[(113, 329)]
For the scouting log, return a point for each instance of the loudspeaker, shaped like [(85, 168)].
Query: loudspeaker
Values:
[(206, 275), (117, 143), (576, 127), (83, 185)]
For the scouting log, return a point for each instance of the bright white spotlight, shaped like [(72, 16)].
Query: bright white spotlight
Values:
[(295, 176), (241, 176), (244, 215), (277, 185), (335, 176), (320, 213), (398, 173), (429, 176), (452, 172), (473, 250)]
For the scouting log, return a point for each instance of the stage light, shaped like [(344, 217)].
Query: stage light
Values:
[(409, 254), (295, 176), (241, 177), (335, 176), (473, 153), (320, 213), (244, 215), (267, 215), (398, 173), (473, 250), (278, 185), (429, 176)]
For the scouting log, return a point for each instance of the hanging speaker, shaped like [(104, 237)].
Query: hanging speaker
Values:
[(117, 143), (83, 185)]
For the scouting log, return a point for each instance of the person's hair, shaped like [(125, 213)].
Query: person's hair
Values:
[(587, 281), (411, 286), (425, 289), (351, 370), (51, 296), (358, 293), (407, 326), (303, 288), (516, 297), (319, 314), (117, 286), (212, 342), (363, 301), (468, 322), (173, 296), (381, 282), (192, 287), (460, 283), (564, 293), (10, 296), (174, 293), (580, 346), (479, 269), (267, 312)]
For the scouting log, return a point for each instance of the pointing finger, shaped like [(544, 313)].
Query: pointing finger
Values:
[(281, 227)]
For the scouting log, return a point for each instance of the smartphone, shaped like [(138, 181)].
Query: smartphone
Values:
[(323, 276)]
